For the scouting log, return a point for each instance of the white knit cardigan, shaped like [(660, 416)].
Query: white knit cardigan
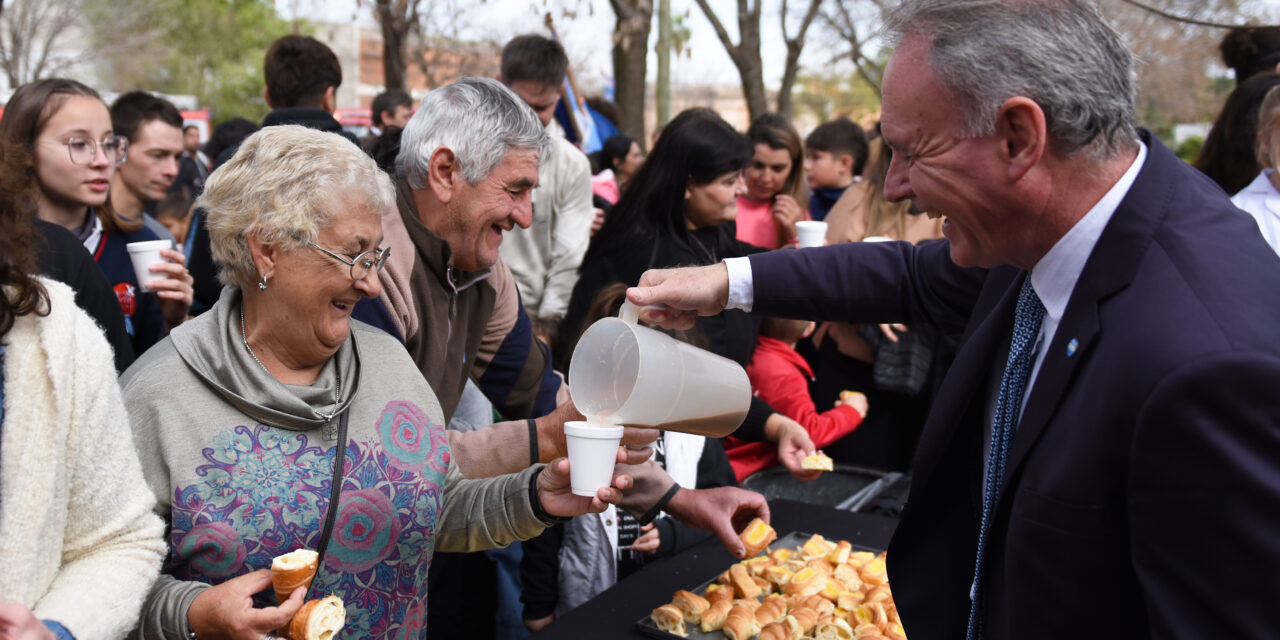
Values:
[(79, 543)]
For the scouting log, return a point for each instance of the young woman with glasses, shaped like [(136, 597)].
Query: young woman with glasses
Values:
[(66, 128)]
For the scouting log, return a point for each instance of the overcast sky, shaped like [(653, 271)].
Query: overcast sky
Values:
[(588, 36)]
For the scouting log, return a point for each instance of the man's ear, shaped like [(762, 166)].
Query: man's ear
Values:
[(266, 95), (330, 99), (1023, 135), (264, 255), (442, 174)]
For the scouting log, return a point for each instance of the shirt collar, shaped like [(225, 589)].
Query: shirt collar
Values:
[(1054, 277)]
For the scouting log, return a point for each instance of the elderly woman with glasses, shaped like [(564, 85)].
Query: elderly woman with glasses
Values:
[(273, 422)]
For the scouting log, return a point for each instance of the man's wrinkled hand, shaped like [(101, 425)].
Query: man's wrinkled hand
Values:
[(723, 511), (686, 293)]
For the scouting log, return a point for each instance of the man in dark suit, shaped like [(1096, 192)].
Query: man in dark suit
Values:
[(1104, 454)]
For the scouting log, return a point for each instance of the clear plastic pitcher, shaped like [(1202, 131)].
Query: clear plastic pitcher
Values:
[(623, 373)]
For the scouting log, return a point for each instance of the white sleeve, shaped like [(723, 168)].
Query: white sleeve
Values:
[(742, 293)]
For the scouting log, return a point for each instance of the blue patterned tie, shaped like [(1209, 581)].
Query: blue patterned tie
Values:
[(1013, 386)]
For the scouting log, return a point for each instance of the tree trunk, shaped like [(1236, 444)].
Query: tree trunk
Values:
[(392, 58), (663, 89), (745, 54), (794, 46), (396, 18), (630, 53)]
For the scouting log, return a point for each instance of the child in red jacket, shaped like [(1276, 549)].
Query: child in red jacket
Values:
[(780, 376)]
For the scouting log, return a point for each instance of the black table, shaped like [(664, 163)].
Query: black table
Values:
[(613, 614)]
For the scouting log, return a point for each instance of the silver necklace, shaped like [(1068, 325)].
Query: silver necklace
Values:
[(337, 370)]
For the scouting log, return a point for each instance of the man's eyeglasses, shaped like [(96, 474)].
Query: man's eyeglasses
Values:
[(83, 149), (363, 263)]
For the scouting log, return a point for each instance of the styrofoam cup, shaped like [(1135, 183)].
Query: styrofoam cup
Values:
[(811, 233), (592, 451), (144, 254)]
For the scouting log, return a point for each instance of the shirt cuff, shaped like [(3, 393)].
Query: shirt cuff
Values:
[(742, 291), (60, 632)]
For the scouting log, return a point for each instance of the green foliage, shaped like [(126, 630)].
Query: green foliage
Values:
[(212, 49), (1189, 150), (825, 95)]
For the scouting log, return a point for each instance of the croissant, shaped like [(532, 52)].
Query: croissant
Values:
[(775, 631), (320, 619), (805, 617), (840, 554), (807, 581), (669, 618), (691, 604), (292, 570), (739, 624), (713, 618), (874, 572), (770, 611), (742, 582), (757, 536), (718, 592), (834, 629)]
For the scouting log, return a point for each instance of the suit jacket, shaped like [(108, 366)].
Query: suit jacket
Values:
[(1142, 493)]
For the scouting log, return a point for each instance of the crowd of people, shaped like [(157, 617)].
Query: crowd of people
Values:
[(360, 345)]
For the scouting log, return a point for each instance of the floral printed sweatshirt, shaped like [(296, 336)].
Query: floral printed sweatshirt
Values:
[(241, 466)]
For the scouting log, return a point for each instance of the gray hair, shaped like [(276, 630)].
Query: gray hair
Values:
[(479, 120), (1061, 54), (281, 187)]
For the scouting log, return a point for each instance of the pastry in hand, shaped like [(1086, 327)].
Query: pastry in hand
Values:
[(292, 570), (757, 536), (320, 619), (669, 618), (818, 461)]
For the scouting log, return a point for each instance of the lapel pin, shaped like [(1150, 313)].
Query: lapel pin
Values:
[(1072, 346)]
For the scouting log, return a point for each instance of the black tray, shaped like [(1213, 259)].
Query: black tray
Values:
[(846, 487), (648, 628)]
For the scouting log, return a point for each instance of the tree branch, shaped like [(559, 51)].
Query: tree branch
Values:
[(721, 32), (1183, 19)]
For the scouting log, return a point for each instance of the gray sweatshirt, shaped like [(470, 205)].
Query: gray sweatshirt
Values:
[(241, 467)]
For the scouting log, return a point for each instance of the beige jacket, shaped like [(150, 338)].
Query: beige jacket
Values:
[(545, 257)]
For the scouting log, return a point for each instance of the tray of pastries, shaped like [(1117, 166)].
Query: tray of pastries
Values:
[(801, 586)]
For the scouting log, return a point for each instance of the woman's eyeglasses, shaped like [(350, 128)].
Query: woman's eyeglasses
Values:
[(83, 149), (363, 263)]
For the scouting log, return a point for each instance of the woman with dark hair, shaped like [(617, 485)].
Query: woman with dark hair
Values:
[(72, 152), (81, 548), (620, 159), (676, 212), (776, 195), (1230, 152)]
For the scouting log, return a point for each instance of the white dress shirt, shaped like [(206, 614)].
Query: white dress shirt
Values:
[(1261, 200)]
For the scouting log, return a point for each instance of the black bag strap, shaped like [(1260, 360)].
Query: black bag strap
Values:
[(331, 514)]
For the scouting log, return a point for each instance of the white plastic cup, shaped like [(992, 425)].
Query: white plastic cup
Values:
[(144, 254), (623, 373), (592, 451), (811, 233)]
